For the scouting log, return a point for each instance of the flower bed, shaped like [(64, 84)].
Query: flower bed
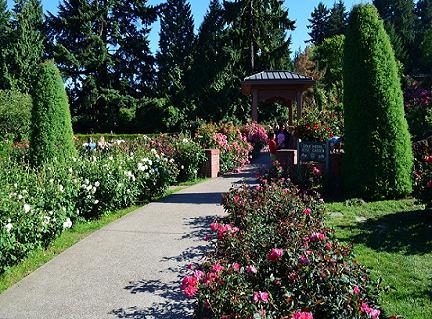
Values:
[(256, 135), (319, 126), (233, 145), (273, 258), (423, 171), (36, 206)]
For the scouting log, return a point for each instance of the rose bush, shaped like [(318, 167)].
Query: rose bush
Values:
[(274, 258), (37, 205), (233, 145), (256, 135), (423, 171), (319, 126)]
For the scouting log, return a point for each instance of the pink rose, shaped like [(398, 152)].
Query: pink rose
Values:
[(207, 237), (307, 211), (236, 266), (189, 281), (356, 290), (260, 296), (214, 226), (275, 254), (190, 291), (303, 260), (251, 269), (198, 274), (302, 315), (217, 268)]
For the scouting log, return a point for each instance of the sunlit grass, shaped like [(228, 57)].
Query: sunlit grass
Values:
[(394, 240)]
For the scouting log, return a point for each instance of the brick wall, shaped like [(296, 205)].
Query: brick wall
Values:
[(211, 167)]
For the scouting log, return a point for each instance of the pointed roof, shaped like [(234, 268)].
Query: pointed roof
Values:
[(276, 79), (278, 75)]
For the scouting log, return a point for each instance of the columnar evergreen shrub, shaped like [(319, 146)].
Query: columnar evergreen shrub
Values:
[(378, 156), (52, 135)]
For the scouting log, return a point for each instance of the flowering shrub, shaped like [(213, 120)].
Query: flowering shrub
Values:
[(423, 171), (319, 126), (418, 109), (274, 258), (37, 205), (256, 135), (233, 145)]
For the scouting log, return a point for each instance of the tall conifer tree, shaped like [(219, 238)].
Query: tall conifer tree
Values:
[(318, 24), (102, 48), (337, 19), (5, 34), (26, 46), (400, 15)]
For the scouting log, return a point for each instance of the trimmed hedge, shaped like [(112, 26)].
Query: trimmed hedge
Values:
[(378, 156), (52, 135)]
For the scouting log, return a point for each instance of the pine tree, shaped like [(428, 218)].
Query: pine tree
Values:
[(337, 19), (378, 156), (102, 49), (258, 31), (400, 15), (51, 131), (174, 59), (319, 24), (26, 45), (5, 34), (424, 13)]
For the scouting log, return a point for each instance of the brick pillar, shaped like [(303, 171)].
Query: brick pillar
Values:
[(211, 167)]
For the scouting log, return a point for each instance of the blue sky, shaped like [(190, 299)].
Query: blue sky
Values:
[(299, 10)]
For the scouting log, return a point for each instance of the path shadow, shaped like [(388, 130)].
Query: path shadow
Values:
[(172, 304), (193, 198), (409, 233)]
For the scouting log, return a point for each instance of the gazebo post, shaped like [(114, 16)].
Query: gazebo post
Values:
[(299, 104), (291, 112), (255, 106)]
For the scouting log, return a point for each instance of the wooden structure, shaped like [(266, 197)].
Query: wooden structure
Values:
[(284, 86)]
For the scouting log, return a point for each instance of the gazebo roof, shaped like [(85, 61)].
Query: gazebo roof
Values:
[(275, 78)]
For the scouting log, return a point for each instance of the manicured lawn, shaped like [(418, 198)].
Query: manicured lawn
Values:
[(394, 240), (69, 238)]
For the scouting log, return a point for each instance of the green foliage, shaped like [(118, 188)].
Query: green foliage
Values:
[(426, 49), (378, 157), (318, 24), (25, 47), (15, 114), (5, 33), (51, 132), (102, 48), (274, 256), (399, 14), (337, 19)]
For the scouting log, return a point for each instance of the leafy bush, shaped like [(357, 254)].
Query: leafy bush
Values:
[(15, 114), (378, 158), (51, 135), (319, 126), (423, 171), (36, 205), (234, 147), (273, 258), (256, 135)]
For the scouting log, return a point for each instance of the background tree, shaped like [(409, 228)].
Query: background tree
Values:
[(174, 58), (337, 19), (26, 44), (102, 48), (51, 130), (5, 33), (400, 15), (378, 156), (318, 24)]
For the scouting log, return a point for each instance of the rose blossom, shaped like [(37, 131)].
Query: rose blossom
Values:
[(275, 254), (260, 296), (251, 269), (198, 274), (307, 211), (429, 184), (303, 260), (356, 290), (302, 315), (236, 266), (217, 268), (190, 291), (214, 226)]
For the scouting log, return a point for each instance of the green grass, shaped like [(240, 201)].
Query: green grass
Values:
[(394, 240), (69, 238)]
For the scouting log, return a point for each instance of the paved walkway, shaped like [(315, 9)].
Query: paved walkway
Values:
[(129, 269)]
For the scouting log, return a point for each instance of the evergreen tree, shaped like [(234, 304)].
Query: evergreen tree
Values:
[(51, 131), (378, 156), (102, 48), (26, 44), (318, 24), (5, 33), (258, 32), (424, 13), (400, 15), (174, 58), (210, 59), (337, 19)]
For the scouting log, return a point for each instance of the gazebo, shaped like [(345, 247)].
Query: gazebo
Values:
[(274, 85)]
